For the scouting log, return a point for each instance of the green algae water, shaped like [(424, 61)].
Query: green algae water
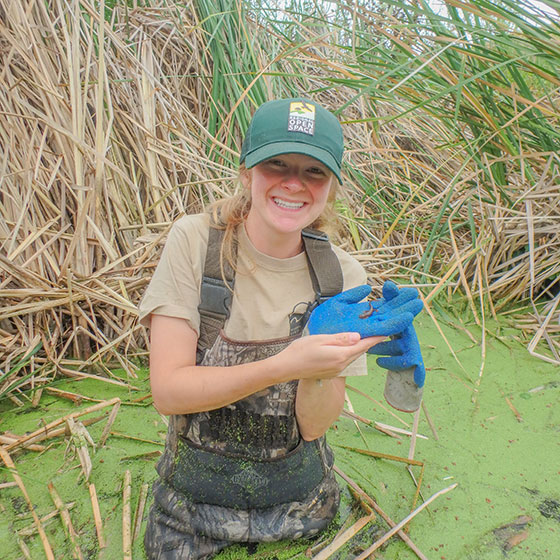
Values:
[(496, 415)]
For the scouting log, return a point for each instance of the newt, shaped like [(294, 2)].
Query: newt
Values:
[(368, 312)]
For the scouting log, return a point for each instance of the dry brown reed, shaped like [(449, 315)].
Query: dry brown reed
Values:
[(105, 141)]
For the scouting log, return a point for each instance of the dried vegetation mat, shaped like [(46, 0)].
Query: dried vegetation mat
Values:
[(115, 120)]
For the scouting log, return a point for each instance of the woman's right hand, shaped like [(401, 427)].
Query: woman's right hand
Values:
[(323, 355)]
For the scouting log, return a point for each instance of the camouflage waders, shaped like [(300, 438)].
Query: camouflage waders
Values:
[(241, 473)]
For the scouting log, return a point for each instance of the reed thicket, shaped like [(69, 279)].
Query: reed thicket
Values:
[(117, 117)]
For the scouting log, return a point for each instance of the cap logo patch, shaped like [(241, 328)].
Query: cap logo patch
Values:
[(302, 118)]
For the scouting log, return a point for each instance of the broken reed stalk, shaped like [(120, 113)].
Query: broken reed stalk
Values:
[(37, 397), (366, 508), (347, 524), (340, 540), (369, 500), (514, 410), (411, 453), (139, 512), (462, 276), (73, 374), (541, 331), (96, 515), (14, 438), (378, 404), (10, 465), (409, 462), (7, 438), (387, 432), (483, 341), (43, 432), (368, 552), (134, 438), (45, 519), (74, 397), (66, 521), (24, 548), (383, 428), (414, 434), (107, 428), (379, 455), (126, 534), (429, 420), (418, 484), (399, 430), (351, 412)]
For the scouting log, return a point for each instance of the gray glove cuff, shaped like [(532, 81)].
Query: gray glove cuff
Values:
[(401, 392)]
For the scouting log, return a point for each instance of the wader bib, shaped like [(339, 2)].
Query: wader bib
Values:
[(242, 473)]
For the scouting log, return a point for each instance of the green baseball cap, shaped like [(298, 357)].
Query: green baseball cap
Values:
[(296, 125)]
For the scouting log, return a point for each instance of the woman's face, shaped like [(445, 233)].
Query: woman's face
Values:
[(288, 193)]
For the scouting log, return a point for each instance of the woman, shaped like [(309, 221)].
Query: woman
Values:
[(249, 398)]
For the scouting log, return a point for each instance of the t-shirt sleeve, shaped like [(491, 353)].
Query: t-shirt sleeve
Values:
[(357, 367), (174, 289)]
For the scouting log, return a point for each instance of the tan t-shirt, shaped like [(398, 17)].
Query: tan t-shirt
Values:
[(267, 289)]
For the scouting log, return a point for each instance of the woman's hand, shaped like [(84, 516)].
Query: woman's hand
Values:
[(323, 355)]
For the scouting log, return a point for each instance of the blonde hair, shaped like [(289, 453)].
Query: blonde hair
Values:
[(228, 213)]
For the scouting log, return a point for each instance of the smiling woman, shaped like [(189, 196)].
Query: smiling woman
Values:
[(288, 193), (249, 398)]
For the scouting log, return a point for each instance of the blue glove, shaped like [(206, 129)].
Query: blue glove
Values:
[(345, 312), (406, 299), (402, 352)]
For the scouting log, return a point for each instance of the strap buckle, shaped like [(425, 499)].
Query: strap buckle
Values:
[(319, 299), (215, 297)]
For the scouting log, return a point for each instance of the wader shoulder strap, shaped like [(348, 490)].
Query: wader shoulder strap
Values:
[(325, 269), (215, 294)]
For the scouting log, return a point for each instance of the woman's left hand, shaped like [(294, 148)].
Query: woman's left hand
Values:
[(322, 356)]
